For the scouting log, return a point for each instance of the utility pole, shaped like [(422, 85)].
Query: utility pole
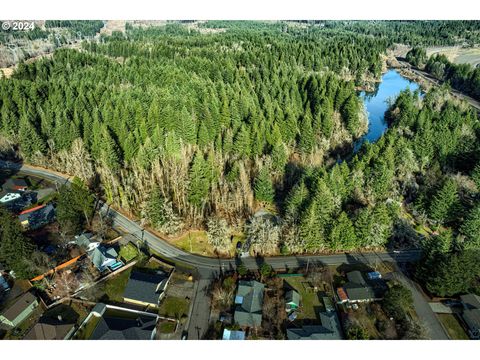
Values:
[(308, 263)]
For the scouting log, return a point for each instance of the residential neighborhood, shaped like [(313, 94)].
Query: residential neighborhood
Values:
[(105, 285)]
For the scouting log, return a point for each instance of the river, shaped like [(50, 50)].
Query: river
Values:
[(376, 103)]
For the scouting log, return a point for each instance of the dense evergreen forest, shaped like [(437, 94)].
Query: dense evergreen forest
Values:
[(185, 129), (76, 28)]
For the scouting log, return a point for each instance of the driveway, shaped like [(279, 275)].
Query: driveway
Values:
[(424, 311)]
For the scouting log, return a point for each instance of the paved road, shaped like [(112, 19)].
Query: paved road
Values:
[(430, 320), (208, 268)]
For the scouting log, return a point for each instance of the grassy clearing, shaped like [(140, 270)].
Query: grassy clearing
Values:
[(453, 327), (310, 303), (457, 54), (174, 307), (128, 252), (194, 242), (115, 286)]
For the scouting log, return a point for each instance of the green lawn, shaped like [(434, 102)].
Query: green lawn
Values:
[(310, 303), (454, 329), (128, 252), (167, 327), (115, 286), (194, 242), (174, 307)]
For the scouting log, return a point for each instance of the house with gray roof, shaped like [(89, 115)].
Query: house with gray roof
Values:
[(117, 323), (103, 257), (18, 310), (58, 323), (145, 288), (86, 242), (37, 217), (329, 330), (471, 314), (357, 289), (249, 303)]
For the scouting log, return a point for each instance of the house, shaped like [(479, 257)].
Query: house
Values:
[(356, 290), (146, 289), (117, 323), (10, 197), (330, 328), (56, 324), (37, 217), (103, 257), (233, 335), (16, 185), (18, 310), (292, 300), (471, 314), (16, 202), (85, 242), (249, 303)]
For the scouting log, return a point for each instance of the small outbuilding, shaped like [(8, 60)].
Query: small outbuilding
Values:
[(292, 300)]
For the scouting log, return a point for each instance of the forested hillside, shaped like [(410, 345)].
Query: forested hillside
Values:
[(185, 129), (201, 117)]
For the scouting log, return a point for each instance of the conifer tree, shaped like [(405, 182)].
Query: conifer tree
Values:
[(263, 186)]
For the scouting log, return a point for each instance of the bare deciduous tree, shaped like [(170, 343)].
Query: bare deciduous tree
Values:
[(263, 235), (65, 284), (217, 234)]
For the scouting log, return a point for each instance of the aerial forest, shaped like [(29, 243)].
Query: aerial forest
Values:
[(187, 130)]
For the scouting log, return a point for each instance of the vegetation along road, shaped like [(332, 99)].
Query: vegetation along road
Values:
[(209, 267)]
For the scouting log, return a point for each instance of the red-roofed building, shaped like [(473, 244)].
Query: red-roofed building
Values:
[(32, 209), (37, 217)]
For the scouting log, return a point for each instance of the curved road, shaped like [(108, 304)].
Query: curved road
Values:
[(209, 266)]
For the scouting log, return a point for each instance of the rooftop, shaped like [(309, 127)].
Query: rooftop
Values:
[(249, 303), (145, 287), (233, 335), (122, 324), (19, 305), (329, 330)]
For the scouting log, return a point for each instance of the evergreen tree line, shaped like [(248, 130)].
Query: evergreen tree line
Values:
[(463, 77), (424, 165), (221, 121)]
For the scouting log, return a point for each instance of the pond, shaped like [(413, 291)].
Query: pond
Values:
[(376, 103)]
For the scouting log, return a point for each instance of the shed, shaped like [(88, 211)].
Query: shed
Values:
[(292, 300)]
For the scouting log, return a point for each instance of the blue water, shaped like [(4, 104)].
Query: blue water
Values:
[(376, 104)]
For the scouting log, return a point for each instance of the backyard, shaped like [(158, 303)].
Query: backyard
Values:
[(310, 303), (128, 252), (115, 286)]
